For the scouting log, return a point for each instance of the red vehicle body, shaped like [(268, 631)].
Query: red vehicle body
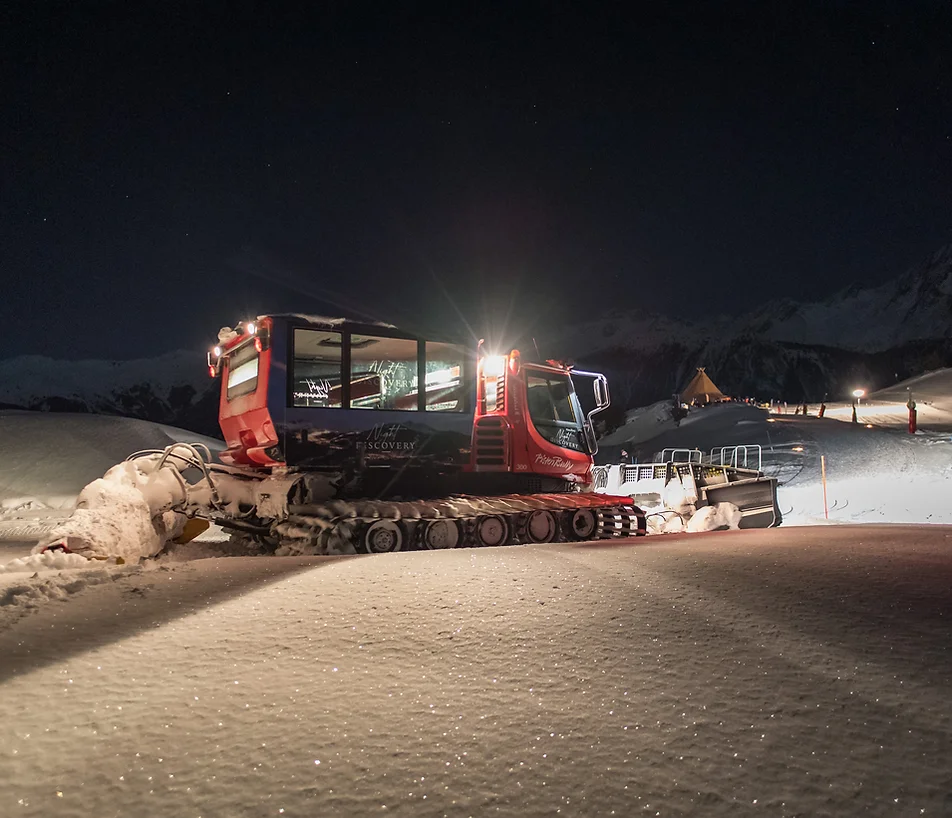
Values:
[(492, 414), (361, 436)]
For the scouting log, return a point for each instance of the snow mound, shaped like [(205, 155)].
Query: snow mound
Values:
[(48, 458), (716, 517), (642, 423), (45, 561), (683, 520)]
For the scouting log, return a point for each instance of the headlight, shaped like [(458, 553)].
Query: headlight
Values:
[(494, 366)]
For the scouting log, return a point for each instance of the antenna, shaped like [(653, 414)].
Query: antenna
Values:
[(537, 348)]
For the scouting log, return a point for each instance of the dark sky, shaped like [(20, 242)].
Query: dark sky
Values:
[(168, 168)]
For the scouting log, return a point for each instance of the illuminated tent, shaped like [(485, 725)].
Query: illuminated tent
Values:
[(702, 389)]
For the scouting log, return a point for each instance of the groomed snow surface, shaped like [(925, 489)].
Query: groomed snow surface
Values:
[(789, 672), (803, 670)]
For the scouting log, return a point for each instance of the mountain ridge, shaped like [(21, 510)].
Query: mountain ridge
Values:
[(914, 306), (785, 349)]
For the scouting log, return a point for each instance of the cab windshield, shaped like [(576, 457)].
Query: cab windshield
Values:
[(550, 398), (554, 409)]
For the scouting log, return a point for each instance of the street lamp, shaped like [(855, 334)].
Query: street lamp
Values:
[(857, 394)]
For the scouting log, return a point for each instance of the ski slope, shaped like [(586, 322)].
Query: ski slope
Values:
[(932, 393), (794, 671), (874, 473), (797, 671)]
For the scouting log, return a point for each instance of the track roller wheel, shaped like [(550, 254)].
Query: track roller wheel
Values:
[(492, 530), (541, 526), (583, 523), (382, 537), (441, 534)]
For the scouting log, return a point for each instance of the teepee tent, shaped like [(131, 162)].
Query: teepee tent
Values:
[(702, 389)]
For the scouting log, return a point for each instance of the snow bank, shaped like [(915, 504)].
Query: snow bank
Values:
[(48, 458), (720, 516), (715, 517), (641, 424), (45, 561)]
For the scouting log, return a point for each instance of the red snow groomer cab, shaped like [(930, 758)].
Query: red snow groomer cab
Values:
[(367, 412)]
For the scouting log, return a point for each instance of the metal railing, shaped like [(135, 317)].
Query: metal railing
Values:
[(740, 457), (680, 456)]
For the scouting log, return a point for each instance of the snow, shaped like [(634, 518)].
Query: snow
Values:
[(114, 517), (323, 320), (45, 561), (49, 457), (787, 672), (712, 518), (932, 393), (878, 474), (913, 306), (27, 378), (875, 473), (794, 671), (643, 423)]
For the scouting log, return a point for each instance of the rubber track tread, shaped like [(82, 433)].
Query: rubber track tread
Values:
[(338, 526)]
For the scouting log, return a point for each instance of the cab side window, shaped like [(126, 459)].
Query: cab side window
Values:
[(383, 373), (446, 389), (316, 368)]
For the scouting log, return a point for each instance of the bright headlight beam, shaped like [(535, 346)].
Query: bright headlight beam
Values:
[(494, 366)]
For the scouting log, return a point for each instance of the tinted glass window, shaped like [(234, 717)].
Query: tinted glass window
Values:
[(316, 368), (242, 372), (383, 373), (549, 398), (445, 387)]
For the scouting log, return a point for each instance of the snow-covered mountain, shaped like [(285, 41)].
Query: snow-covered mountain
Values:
[(867, 337), (916, 306), (173, 388)]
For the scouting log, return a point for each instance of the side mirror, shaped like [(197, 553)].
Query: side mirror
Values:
[(601, 392)]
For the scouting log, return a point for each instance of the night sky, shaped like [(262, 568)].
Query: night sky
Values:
[(168, 168)]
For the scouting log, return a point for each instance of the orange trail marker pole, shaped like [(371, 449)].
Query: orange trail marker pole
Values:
[(826, 511)]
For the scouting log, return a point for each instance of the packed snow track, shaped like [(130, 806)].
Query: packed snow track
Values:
[(800, 671)]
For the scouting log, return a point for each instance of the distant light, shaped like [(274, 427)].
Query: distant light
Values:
[(217, 351), (797, 449), (494, 366), (858, 393), (869, 425), (211, 372), (771, 420), (250, 326)]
